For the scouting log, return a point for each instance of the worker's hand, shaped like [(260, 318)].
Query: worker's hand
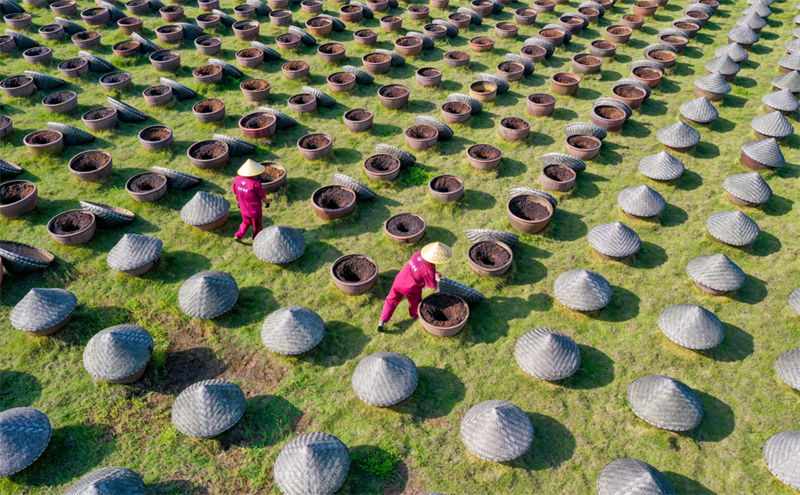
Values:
[(438, 276), (266, 203)]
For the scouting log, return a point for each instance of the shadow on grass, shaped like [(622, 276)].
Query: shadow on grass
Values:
[(753, 292), (18, 389), (689, 181), (673, 216), (72, 452), (267, 420), (778, 206), (372, 468), (181, 369), (174, 266), (489, 320), (566, 226), (341, 342), (649, 256), (177, 487), (596, 370), (437, 392), (553, 445), (736, 345), (765, 245), (624, 305), (254, 304), (718, 420), (682, 484), (86, 322)]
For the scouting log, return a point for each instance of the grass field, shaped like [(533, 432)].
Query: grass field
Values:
[(581, 423)]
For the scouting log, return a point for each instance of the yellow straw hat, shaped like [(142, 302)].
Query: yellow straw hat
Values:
[(436, 253), (250, 169)]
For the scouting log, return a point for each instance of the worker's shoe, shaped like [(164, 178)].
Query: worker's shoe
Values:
[(240, 240), (381, 327)]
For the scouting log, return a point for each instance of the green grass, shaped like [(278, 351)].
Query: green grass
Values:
[(581, 424)]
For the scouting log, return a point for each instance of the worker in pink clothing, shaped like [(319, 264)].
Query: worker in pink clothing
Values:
[(249, 196), (419, 272)]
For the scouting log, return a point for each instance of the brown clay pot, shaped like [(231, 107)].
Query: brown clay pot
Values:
[(506, 29), (629, 93), (534, 53), (96, 16), (130, 25), (591, 13), (382, 167), (602, 48), (246, 30), (125, 49), (72, 227), (391, 23), (608, 117), (331, 53), (351, 13), (553, 35), (209, 110), (584, 63), (484, 91), (255, 90), (510, 71), (393, 96), (334, 201), (354, 274), (618, 34), (288, 41), (171, 33), (280, 17), (633, 21), (319, 26), (115, 80), (428, 77), (358, 119), (540, 104), (377, 63), (38, 55), (648, 75), (274, 176), (461, 21), (101, 119), (484, 156), (456, 58), (91, 165), (18, 86), (483, 7), (490, 258), (440, 4), (340, 82), (64, 8), (453, 304), (418, 12), (147, 187), (157, 95), (138, 7), (481, 44), (6, 126), (302, 103), (208, 5), (250, 57), (421, 137), (378, 5), (529, 213), (209, 154), (365, 37), (207, 74), (583, 147), (571, 23), (166, 60), (408, 46), (513, 129), (677, 42), (446, 187), (645, 8), (208, 21), (565, 83), (455, 112), (690, 28), (557, 178), (258, 125), (542, 6), (86, 39), (18, 20), (245, 11), (171, 13), (312, 6), (61, 101), (525, 16), (405, 227), (156, 137), (74, 67), (18, 197), (296, 69), (51, 31), (664, 57), (315, 146), (7, 44)]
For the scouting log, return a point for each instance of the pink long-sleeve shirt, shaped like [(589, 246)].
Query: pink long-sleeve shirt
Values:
[(417, 274), (249, 195)]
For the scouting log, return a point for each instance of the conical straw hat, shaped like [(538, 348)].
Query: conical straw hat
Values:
[(436, 253), (250, 169)]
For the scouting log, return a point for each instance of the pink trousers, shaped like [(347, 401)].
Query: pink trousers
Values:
[(247, 221), (394, 298)]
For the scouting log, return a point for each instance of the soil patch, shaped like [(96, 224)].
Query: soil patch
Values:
[(73, 63), (165, 56), (11, 193), (686, 26), (318, 22), (209, 106), (358, 114), (259, 121), (99, 113), (588, 60), (255, 84), (207, 70), (301, 99), (157, 90), (393, 91), (408, 41), (250, 53), (456, 107), (608, 112), (647, 73), (485, 152), (443, 310), (541, 98), (560, 173), (529, 208), (342, 78), (315, 142), (429, 72), (564, 78), (382, 163), (271, 174), (90, 161), (56, 98), (511, 67), (489, 254), (296, 65), (551, 33), (582, 142), (445, 183), (146, 182), (71, 222), (662, 55), (86, 35), (674, 40), (331, 48), (112, 78), (44, 137), (404, 224), (630, 92), (207, 151), (355, 269), (351, 9), (514, 123), (460, 17), (376, 58), (421, 132), (156, 134), (619, 31), (333, 198)]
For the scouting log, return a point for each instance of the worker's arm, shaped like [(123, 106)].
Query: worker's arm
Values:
[(262, 196), (429, 276)]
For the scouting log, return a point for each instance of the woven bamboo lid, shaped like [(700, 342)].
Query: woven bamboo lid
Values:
[(134, 251), (733, 227), (713, 83), (782, 453), (678, 135), (208, 294), (641, 201), (788, 367), (480, 235), (42, 308), (773, 124), (465, 292), (699, 110), (547, 354), (661, 166), (794, 301), (723, 64), (118, 352), (691, 326), (279, 244), (109, 481), (496, 430), (716, 271), (765, 151), (24, 434), (734, 51), (207, 408), (292, 330), (315, 463), (750, 187), (204, 208), (782, 100), (384, 379), (628, 476), (615, 240), (665, 403), (582, 290)]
